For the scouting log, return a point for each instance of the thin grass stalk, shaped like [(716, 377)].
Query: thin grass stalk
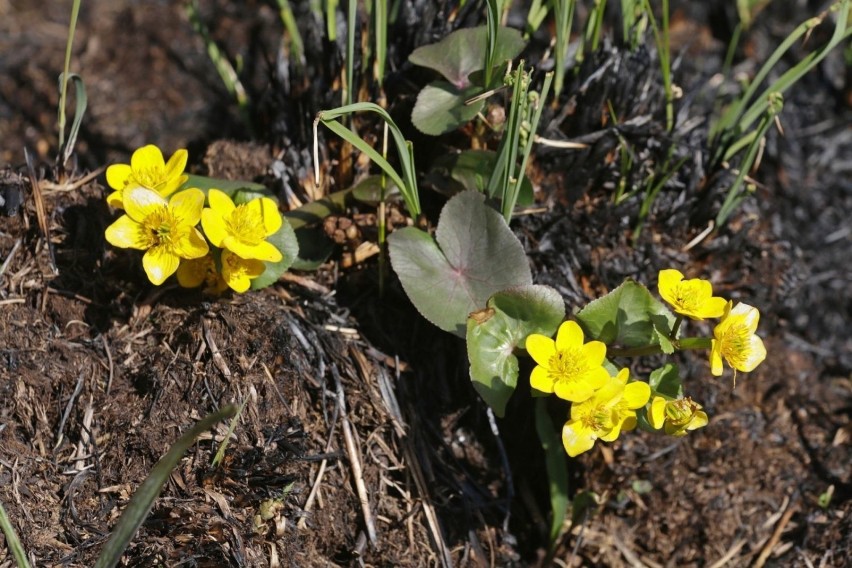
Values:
[(733, 198), (223, 66), (535, 103), (351, 17), (331, 20), (13, 543), (380, 35), (63, 95), (297, 46), (407, 180), (535, 16), (662, 40), (651, 196), (491, 24), (564, 14), (223, 445)]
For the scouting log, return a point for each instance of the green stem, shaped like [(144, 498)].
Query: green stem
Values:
[(676, 327), (685, 344), (72, 26)]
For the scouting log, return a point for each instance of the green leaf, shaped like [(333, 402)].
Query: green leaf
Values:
[(628, 316), (284, 240), (13, 543), (314, 245), (462, 52), (557, 468), (235, 189), (475, 256), (495, 333), (143, 499), (440, 108), (666, 381)]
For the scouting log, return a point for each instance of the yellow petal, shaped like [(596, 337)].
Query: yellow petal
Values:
[(636, 394), (657, 415), (574, 391), (159, 263), (261, 251), (192, 245), (147, 157), (117, 175), (750, 315), (270, 215), (187, 205), (115, 199), (716, 358), (193, 273), (176, 164), (713, 307), (541, 348), (220, 202), (597, 378), (139, 202), (540, 379), (756, 354), (594, 352), (577, 439), (699, 420), (667, 281), (127, 233), (569, 336), (238, 272), (214, 226)]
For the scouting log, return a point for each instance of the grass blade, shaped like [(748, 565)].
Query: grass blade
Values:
[(12, 541), (142, 501)]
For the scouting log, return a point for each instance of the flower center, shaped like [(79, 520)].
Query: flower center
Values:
[(599, 419), (566, 365), (735, 345), (152, 178), (161, 227), (687, 297), (247, 225)]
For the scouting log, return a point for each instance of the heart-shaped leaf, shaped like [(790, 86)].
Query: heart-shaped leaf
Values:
[(628, 316), (493, 335), (462, 52), (475, 256)]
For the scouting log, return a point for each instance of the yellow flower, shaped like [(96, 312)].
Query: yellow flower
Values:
[(678, 416), (242, 229), (147, 169), (609, 411), (164, 229), (634, 395), (567, 366), (197, 271), (692, 298), (238, 272), (735, 340)]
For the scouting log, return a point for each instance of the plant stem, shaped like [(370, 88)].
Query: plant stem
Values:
[(685, 344), (72, 26)]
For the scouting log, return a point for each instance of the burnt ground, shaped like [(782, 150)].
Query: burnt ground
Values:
[(348, 393)]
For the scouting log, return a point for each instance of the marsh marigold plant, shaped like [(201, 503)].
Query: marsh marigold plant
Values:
[(604, 406), (162, 218)]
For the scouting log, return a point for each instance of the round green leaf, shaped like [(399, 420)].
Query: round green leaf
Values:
[(495, 333), (628, 316), (474, 254)]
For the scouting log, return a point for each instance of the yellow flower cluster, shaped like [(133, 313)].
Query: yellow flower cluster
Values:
[(734, 338), (603, 405), (163, 221)]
